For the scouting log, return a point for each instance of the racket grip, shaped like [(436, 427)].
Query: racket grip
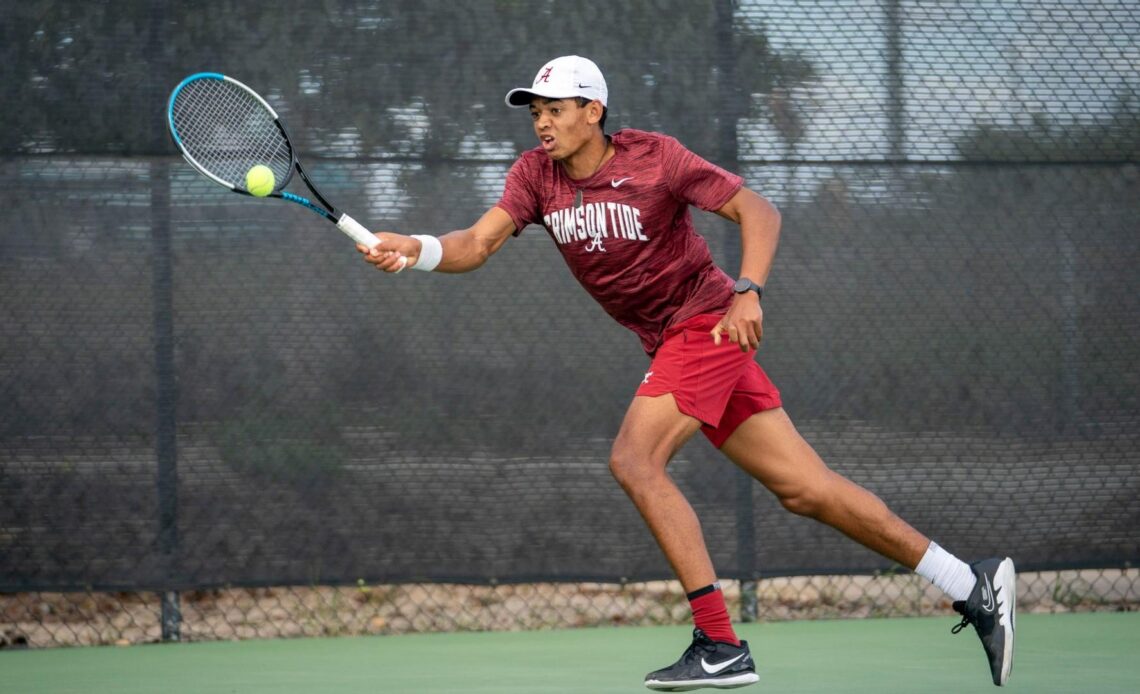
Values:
[(358, 233)]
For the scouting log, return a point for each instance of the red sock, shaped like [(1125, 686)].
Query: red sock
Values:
[(710, 614)]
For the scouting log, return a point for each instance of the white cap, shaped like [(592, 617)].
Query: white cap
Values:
[(563, 78)]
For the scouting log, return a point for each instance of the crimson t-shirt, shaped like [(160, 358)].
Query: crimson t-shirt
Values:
[(631, 244)]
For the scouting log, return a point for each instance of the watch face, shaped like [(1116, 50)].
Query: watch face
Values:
[(744, 284)]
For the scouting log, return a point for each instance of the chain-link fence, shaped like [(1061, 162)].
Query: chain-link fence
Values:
[(215, 423), (37, 619)]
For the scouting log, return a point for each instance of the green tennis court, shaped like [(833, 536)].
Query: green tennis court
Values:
[(1056, 653)]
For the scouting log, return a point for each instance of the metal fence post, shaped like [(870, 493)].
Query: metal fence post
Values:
[(730, 109), (745, 546), (165, 440), (162, 296)]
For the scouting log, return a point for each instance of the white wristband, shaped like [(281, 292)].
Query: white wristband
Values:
[(430, 253)]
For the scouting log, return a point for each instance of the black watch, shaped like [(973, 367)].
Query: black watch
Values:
[(744, 284)]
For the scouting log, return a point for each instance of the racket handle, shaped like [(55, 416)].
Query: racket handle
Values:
[(358, 233)]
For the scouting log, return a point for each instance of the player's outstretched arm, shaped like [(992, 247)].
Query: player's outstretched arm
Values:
[(463, 250)]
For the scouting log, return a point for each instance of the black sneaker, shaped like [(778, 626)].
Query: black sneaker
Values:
[(706, 663), (992, 608)]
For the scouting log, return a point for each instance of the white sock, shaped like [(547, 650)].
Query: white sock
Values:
[(946, 571)]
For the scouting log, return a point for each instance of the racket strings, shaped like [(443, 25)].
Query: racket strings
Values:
[(227, 131)]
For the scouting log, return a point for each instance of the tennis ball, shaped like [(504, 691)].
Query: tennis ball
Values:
[(259, 181)]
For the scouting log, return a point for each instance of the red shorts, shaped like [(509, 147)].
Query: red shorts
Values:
[(720, 386)]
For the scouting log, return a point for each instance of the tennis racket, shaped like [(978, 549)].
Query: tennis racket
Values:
[(224, 129)]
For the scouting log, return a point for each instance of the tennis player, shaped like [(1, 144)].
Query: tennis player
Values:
[(617, 208)]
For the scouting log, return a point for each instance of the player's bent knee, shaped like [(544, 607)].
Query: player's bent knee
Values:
[(633, 471), (802, 502)]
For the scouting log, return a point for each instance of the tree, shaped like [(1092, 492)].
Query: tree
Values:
[(369, 78)]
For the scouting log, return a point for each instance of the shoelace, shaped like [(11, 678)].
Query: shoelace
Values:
[(702, 645), (961, 625)]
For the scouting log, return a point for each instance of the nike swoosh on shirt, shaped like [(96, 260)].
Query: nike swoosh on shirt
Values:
[(713, 669), (615, 182)]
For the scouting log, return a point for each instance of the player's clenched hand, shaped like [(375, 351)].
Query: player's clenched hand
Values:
[(743, 323), (393, 253)]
